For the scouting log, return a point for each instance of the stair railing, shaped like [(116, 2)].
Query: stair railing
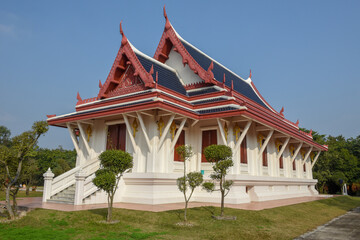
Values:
[(67, 179)]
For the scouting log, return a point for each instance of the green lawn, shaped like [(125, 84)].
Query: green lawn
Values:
[(21, 194), (277, 223)]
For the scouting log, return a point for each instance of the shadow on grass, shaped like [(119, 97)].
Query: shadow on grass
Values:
[(179, 213), (210, 209), (99, 211)]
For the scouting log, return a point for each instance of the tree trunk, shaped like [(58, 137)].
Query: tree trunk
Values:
[(222, 190), (110, 204), (27, 190), (8, 204), (8, 188), (14, 194), (222, 202), (186, 205)]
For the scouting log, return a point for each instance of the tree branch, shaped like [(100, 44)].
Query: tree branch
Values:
[(8, 173), (192, 190), (17, 173), (227, 193)]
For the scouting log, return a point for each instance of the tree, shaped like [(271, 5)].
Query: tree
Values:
[(221, 155), (114, 163), (12, 158), (191, 180), (28, 176), (4, 136), (322, 178), (59, 160), (4, 141)]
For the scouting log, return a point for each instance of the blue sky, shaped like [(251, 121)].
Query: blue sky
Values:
[(304, 55)]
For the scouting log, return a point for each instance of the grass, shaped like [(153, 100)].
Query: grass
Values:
[(21, 194), (278, 223)]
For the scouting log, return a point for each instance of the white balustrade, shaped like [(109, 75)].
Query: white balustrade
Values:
[(68, 178)]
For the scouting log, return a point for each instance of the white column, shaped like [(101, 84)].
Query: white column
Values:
[(235, 157), (143, 129), (79, 187), (222, 133), (236, 147), (259, 156), (48, 178), (83, 137), (152, 157)]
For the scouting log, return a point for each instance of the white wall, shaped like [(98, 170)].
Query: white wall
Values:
[(187, 76)]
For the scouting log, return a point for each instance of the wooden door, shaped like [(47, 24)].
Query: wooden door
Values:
[(209, 137), (281, 162), (264, 158), (243, 151), (116, 137), (180, 141)]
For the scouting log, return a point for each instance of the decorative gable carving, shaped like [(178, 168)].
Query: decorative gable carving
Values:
[(128, 83), (126, 71), (168, 41)]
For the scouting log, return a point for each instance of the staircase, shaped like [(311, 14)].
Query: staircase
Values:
[(66, 196), (62, 188)]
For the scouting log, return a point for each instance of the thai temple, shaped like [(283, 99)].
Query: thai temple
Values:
[(150, 105)]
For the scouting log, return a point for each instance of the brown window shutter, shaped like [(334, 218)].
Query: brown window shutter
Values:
[(122, 137), (180, 141), (112, 138), (294, 165), (264, 157), (209, 137), (116, 138), (243, 151)]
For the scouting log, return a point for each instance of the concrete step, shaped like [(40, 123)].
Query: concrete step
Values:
[(65, 196), (59, 201)]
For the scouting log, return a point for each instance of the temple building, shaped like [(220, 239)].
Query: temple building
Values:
[(150, 105)]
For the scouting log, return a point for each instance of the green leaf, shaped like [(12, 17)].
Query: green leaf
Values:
[(185, 152), (194, 179), (116, 161), (208, 186), (215, 153)]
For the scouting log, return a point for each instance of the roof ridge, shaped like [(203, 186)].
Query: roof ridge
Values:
[(152, 59), (248, 81)]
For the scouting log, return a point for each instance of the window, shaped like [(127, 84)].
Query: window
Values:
[(116, 138), (294, 165), (243, 152), (209, 137), (304, 167), (278, 148), (264, 158), (180, 141)]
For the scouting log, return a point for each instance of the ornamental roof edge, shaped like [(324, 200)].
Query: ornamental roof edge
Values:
[(151, 58)]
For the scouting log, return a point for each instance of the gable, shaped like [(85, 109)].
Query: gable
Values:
[(126, 71), (126, 82), (187, 76), (167, 77)]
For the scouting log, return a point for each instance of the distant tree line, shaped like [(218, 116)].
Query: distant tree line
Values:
[(339, 165)]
